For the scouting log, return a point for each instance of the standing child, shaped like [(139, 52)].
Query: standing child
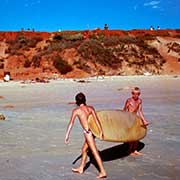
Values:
[(134, 105), (83, 112)]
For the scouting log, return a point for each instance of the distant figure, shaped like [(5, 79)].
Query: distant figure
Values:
[(158, 28), (105, 27), (83, 111), (151, 28), (7, 77), (134, 105)]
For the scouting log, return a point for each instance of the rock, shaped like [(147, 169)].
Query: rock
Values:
[(2, 117), (8, 106), (147, 73), (83, 81), (7, 78)]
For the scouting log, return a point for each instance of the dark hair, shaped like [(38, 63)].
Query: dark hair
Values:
[(80, 99), (136, 88)]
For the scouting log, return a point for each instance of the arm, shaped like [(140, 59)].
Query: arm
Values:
[(140, 112), (126, 106), (70, 125), (97, 122)]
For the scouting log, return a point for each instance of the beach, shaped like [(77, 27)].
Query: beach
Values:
[(32, 136)]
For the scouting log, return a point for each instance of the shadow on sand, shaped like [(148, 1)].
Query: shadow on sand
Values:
[(110, 154)]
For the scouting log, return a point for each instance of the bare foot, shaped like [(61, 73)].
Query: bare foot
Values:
[(101, 175), (77, 170), (132, 154), (137, 153)]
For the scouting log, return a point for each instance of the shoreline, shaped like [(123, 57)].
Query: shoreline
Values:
[(89, 79)]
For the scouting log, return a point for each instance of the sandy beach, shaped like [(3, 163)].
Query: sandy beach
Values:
[(32, 136)]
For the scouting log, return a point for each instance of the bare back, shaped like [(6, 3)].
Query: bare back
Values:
[(83, 113)]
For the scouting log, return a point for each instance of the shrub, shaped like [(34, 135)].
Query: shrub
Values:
[(143, 45), (92, 36), (149, 37), (94, 51), (60, 45), (162, 61), (177, 36), (33, 41), (27, 63), (84, 67), (74, 37), (1, 64), (177, 30), (111, 41), (127, 40), (101, 36), (36, 61), (68, 36), (21, 39), (96, 36), (174, 47), (53, 46), (57, 37), (152, 50), (22, 42), (62, 66)]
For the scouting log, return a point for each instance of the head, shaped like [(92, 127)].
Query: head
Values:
[(136, 93), (80, 99)]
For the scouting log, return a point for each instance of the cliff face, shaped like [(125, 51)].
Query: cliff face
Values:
[(30, 55)]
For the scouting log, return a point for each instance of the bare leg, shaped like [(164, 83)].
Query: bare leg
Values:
[(131, 150), (83, 160), (92, 145), (135, 148)]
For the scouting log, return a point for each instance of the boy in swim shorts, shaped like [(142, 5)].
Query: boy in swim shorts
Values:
[(134, 105)]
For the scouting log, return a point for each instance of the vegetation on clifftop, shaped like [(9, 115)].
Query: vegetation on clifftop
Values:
[(93, 52)]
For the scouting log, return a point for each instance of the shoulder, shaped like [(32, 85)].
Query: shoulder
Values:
[(90, 108), (140, 101), (75, 111), (128, 100)]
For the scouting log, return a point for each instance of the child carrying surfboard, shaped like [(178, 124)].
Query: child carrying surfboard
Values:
[(83, 112), (134, 105)]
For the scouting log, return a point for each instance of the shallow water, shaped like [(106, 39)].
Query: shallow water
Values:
[(32, 138)]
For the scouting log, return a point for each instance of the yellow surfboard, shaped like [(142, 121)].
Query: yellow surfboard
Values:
[(118, 126)]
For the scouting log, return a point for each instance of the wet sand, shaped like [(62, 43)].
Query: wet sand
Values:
[(32, 136)]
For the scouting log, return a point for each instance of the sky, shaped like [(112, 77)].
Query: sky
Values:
[(56, 15)]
